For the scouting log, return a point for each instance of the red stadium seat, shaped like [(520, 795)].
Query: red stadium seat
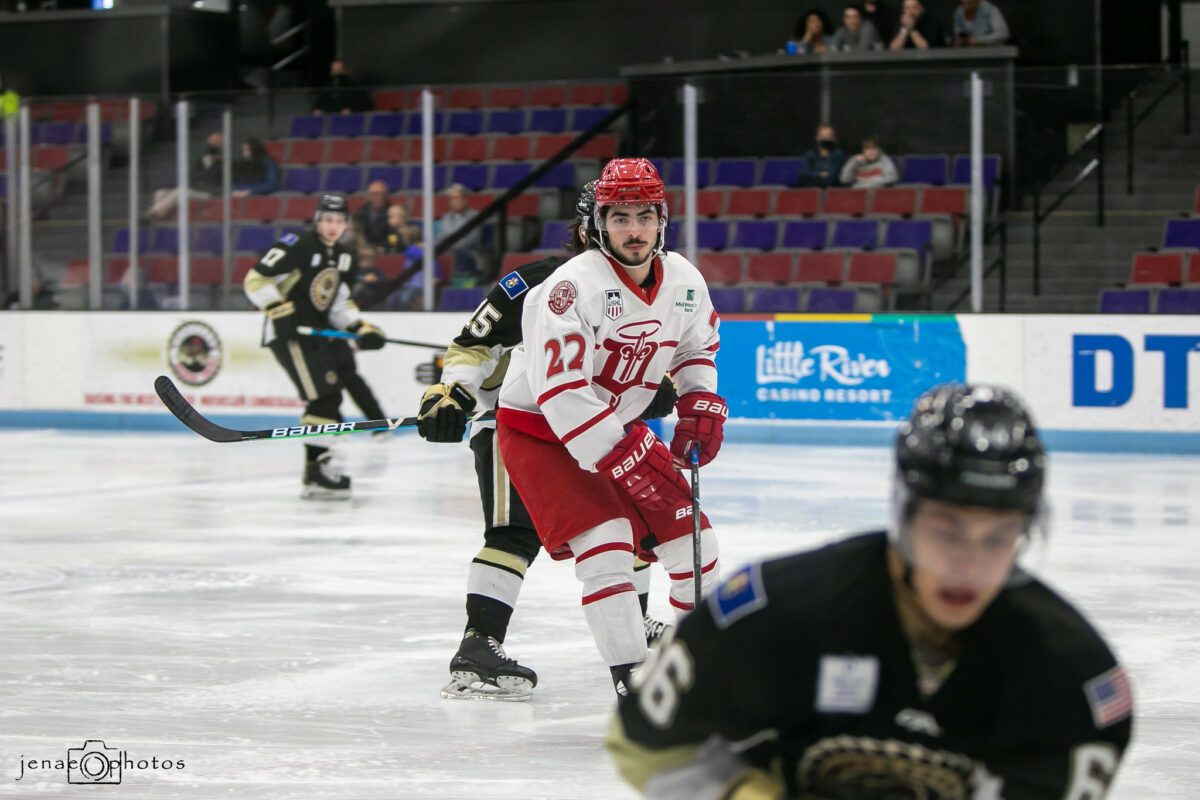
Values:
[(1156, 268), (620, 93), (242, 265), (77, 273), (720, 267), (206, 270), (507, 97), (415, 149), (306, 152), (874, 268), (265, 208), (769, 268), (749, 203), (511, 148), (478, 202), (163, 269), (524, 205), (1196, 204), (345, 151), (302, 208), (276, 150), (514, 260), (823, 268), (603, 145), (902, 201), (466, 98), (468, 148), (391, 264), (797, 202), (67, 111), (943, 200), (115, 270), (547, 95), (1193, 270), (391, 100), (48, 157), (852, 202), (386, 151), (590, 95), (548, 145)]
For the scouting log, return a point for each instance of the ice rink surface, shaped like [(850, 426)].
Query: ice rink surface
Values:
[(173, 598)]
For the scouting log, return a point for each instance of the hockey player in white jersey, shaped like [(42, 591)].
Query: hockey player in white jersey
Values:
[(598, 337)]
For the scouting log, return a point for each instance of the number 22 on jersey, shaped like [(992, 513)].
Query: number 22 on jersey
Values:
[(557, 348)]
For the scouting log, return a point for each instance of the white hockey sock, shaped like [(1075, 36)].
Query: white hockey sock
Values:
[(676, 557), (604, 565), (497, 575)]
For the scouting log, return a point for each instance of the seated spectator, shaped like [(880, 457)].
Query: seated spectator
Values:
[(979, 22), (812, 33), (871, 168), (370, 221), (400, 234), (469, 258), (206, 177), (341, 95), (918, 29), (823, 163), (255, 172), (882, 17), (856, 33)]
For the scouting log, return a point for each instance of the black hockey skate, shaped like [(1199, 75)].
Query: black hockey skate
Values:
[(655, 629), (324, 481), (621, 675), (481, 671)]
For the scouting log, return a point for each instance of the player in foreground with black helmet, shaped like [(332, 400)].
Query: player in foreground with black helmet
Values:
[(474, 367), (306, 279), (921, 662)]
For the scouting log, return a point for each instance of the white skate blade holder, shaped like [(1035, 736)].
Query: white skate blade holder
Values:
[(469, 686)]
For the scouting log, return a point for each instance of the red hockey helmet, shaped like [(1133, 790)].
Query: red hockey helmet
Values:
[(631, 181)]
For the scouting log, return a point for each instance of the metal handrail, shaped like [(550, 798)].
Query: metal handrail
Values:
[(1184, 79), (290, 32), (1096, 165)]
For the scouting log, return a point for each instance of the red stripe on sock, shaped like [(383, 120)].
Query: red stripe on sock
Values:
[(608, 591), (680, 604), (605, 548), (680, 576)]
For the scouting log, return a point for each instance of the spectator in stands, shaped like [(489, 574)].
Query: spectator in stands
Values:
[(206, 176), (469, 259), (918, 30), (871, 168), (979, 22), (10, 101), (255, 172), (823, 163), (400, 234), (812, 33), (371, 221), (881, 16), (856, 33), (341, 95)]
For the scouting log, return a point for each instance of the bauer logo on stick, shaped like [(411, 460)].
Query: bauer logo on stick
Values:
[(194, 353)]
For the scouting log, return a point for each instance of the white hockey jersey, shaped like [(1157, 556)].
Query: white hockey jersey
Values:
[(595, 347)]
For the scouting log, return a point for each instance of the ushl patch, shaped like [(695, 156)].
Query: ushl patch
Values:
[(741, 594), (562, 297), (513, 285), (614, 306), (1109, 696), (846, 684)]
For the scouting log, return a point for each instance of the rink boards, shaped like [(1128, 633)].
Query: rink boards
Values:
[(1093, 382)]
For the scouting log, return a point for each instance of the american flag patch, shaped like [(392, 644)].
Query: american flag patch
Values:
[(1109, 697)]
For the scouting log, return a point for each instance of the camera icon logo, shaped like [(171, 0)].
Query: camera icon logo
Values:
[(94, 762)]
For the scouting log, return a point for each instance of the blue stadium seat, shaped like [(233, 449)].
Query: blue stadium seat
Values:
[(735, 172), (412, 125), (255, 238), (809, 234), (209, 239), (305, 180), (924, 169), (121, 240), (559, 176), (755, 234), (1125, 301), (862, 234), (346, 126), (712, 235), (392, 176), (674, 234), (416, 176), (347, 180), (674, 176), (584, 118), (830, 301), (1180, 233), (386, 125), (775, 300), (465, 123), (307, 127), (56, 133), (781, 171), (506, 121), (505, 176), (166, 240), (962, 171), (554, 233), (473, 176), (548, 120), (1178, 301), (914, 234), (459, 298), (728, 300)]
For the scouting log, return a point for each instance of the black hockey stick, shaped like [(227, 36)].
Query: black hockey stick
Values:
[(329, 333), (696, 559), (178, 405)]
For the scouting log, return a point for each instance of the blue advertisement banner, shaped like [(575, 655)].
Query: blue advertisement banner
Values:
[(869, 368)]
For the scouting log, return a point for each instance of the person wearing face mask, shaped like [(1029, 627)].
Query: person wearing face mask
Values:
[(823, 162), (919, 661), (206, 177), (255, 172)]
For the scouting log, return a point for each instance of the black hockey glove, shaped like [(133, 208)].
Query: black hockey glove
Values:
[(282, 314), (664, 400), (444, 410), (369, 337)]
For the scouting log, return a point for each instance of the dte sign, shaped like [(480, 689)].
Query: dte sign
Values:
[(1174, 349)]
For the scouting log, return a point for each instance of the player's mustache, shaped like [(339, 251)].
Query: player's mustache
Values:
[(634, 241)]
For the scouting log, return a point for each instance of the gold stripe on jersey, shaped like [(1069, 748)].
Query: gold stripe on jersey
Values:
[(313, 419), (494, 380), (501, 560), (306, 380), (261, 289), (473, 356), (638, 764), (500, 488)]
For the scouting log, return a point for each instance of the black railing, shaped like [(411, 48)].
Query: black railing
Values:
[(1095, 165), (1132, 121), (992, 230)]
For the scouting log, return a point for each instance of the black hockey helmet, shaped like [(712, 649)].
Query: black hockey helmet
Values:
[(332, 204), (585, 205), (972, 445)]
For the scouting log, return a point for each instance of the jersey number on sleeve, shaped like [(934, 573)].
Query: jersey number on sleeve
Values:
[(661, 682), (555, 349), (1092, 768), (273, 255), (481, 324)]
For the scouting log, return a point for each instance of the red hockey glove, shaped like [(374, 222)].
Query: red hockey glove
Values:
[(641, 463), (702, 418)]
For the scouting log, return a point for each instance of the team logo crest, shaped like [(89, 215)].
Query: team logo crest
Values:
[(323, 288), (562, 297), (513, 284), (630, 350), (194, 353), (614, 306)]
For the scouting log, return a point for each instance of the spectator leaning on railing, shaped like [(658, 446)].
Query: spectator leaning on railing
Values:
[(979, 22)]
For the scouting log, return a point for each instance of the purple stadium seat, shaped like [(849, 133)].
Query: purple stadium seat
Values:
[(347, 180), (560, 175), (166, 240), (674, 233), (505, 176), (1125, 301), (209, 239), (712, 235), (806, 234), (473, 176), (780, 171), (915, 234), (861, 234), (584, 118), (254, 238), (548, 120), (459, 298), (775, 300), (465, 123), (830, 301), (554, 233), (307, 127), (412, 125), (674, 173), (416, 176), (924, 169), (346, 126), (1181, 233), (728, 300), (962, 171), (59, 133), (1178, 301), (735, 172), (506, 121), (755, 234), (389, 125), (392, 176), (304, 180), (121, 240)]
